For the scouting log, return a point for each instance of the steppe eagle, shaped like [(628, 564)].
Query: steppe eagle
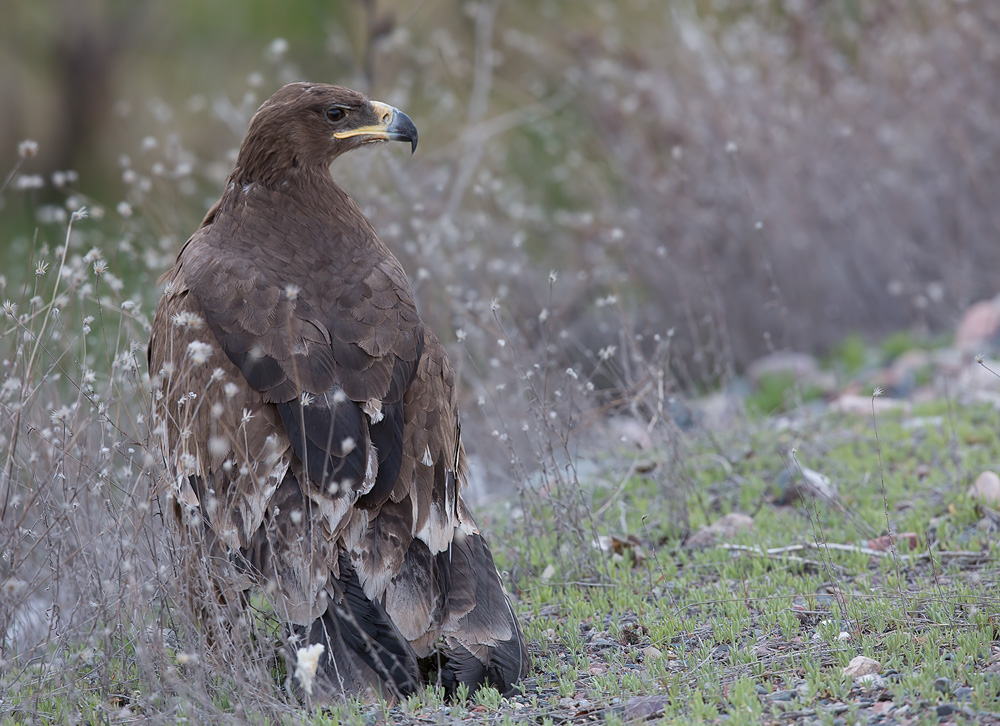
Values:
[(309, 420)]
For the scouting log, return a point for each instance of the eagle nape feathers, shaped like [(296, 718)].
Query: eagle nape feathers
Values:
[(309, 421)]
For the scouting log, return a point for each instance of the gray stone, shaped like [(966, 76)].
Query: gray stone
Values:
[(946, 709), (786, 695)]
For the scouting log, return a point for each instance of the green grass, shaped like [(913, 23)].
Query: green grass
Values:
[(733, 627), (777, 392), (850, 356)]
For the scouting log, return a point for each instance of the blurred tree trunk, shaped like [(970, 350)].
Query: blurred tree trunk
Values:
[(87, 47)]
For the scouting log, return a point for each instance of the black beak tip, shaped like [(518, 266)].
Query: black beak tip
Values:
[(402, 128)]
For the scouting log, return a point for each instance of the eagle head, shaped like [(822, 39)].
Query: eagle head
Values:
[(308, 125)]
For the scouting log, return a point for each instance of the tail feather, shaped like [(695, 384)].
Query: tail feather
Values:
[(500, 666), (363, 650), (483, 642), (365, 628)]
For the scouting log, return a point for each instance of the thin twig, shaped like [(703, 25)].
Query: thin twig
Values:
[(856, 549), (618, 492)]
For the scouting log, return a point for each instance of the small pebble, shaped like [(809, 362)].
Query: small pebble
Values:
[(986, 488), (963, 692), (871, 680), (861, 665), (943, 685), (946, 709), (786, 695)]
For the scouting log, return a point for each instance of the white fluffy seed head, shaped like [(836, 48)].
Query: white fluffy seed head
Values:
[(218, 446), (306, 662), (27, 149), (199, 352), (186, 319)]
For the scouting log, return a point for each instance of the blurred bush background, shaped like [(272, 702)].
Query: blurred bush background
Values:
[(716, 179)]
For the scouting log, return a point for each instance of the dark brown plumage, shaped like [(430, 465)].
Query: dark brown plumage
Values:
[(310, 419)]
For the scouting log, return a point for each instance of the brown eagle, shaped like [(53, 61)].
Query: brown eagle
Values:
[(309, 420)]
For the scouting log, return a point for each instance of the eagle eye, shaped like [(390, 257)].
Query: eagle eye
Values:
[(335, 114)]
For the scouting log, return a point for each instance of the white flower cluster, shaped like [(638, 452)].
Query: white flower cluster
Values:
[(26, 182), (306, 663), (199, 352), (187, 319), (27, 149)]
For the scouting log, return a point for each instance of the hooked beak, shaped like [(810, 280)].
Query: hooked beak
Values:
[(392, 125)]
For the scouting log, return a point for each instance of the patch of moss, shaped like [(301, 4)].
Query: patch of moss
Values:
[(778, 392)]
